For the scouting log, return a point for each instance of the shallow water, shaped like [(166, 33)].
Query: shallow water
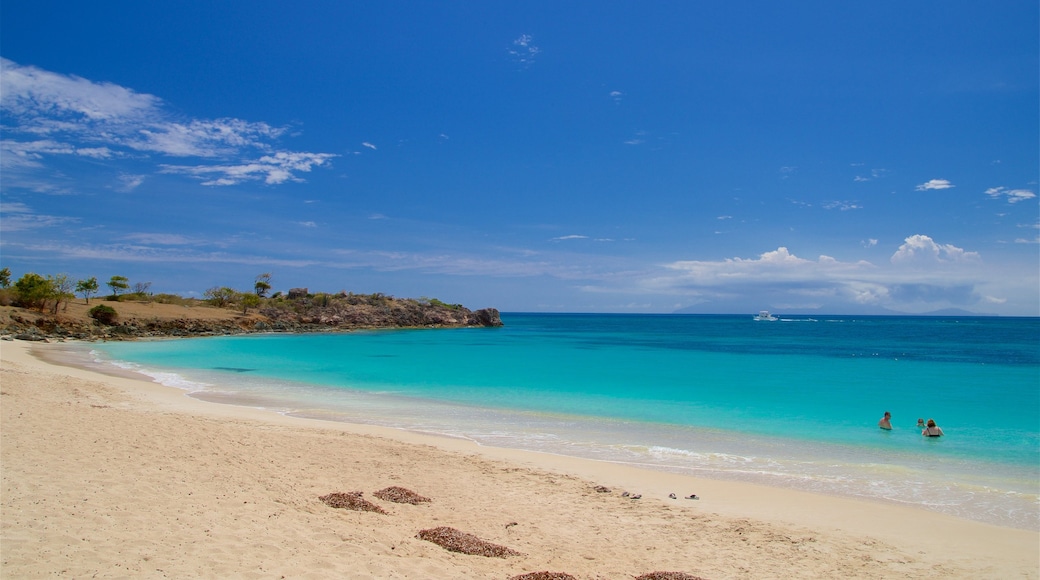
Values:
[(792, 403)]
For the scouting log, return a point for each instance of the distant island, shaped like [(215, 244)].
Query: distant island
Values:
[(40, 308)]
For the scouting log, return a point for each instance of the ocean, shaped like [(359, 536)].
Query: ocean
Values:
[(789, 403)]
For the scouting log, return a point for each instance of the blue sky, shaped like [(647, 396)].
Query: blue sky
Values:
[(802, 157)]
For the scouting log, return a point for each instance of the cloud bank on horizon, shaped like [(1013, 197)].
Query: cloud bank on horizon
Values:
[(616, 188)]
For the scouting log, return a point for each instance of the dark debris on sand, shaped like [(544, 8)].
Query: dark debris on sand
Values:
[(400, 495), (544, 576), (351, 501), (668, 576), (455, 541)]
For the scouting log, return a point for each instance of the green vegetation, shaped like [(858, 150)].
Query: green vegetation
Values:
[(61, 286), (248, 300), (87, 288), (33, 291), (104, 314), (262, 285), (436, 302), (298, 305), (118, 284), (221, 296)]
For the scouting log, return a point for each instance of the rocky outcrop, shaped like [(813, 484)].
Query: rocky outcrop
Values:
[(323, 313)]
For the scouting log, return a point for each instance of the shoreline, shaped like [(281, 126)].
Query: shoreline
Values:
[(899, 539)]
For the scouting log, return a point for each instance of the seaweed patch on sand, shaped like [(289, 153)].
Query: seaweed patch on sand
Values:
[(455, 541), (351, 501), (400, 495)]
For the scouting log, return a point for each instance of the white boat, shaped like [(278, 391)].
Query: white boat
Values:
[(765, 315)]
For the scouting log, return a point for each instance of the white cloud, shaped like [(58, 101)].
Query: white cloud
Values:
[(842, 205), (369, 145), (935, 184), (920, 249), (943, 276), (1013, 195), (570, 237), (16, 216), (29, 90), (779, 264), (874, 174), (160, 239), (870, 243), (128, 182), (70, 115), (273, 169), (524, 51)]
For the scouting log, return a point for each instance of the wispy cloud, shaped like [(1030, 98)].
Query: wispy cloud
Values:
[(369, 145), (1012, 195), (273, 169), (128, 182), (524, 51), (842, 205), (159, 239), (49, 114), (934, 184), (874, 174), (570, 237), (15, 216)]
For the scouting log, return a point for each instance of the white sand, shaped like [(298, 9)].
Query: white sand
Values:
[(108, 476)]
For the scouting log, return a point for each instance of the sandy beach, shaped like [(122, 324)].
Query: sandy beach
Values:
[(114, 476)]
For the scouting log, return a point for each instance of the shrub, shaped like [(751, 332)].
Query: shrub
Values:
[(34, 291), (220, 296), (104, 314), (171, 299), (8, 296)]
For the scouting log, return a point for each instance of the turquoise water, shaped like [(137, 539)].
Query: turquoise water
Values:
[(791, 403)]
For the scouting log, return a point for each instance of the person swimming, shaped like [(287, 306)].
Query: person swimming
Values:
[(932, 430), (920, 424), (886, 422)]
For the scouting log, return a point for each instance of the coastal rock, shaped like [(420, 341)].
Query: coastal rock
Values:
[(319, 313)]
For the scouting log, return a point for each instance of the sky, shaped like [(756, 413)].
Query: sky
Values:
[(635, 157)]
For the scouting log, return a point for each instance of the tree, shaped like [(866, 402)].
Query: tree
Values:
[(87, 288), (220, 296), (62, 286), (5, 278), (34, 291), (141, 288), (117, 284), (247, 301), (263, 284)]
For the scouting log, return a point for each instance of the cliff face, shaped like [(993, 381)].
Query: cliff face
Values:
[(323, 313)]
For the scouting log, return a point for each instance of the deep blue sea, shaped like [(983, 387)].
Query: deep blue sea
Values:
[(791, 403)]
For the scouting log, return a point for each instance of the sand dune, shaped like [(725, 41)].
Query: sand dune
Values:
[(107, 476)]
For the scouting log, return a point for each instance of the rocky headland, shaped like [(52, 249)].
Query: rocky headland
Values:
[(302, 313)]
